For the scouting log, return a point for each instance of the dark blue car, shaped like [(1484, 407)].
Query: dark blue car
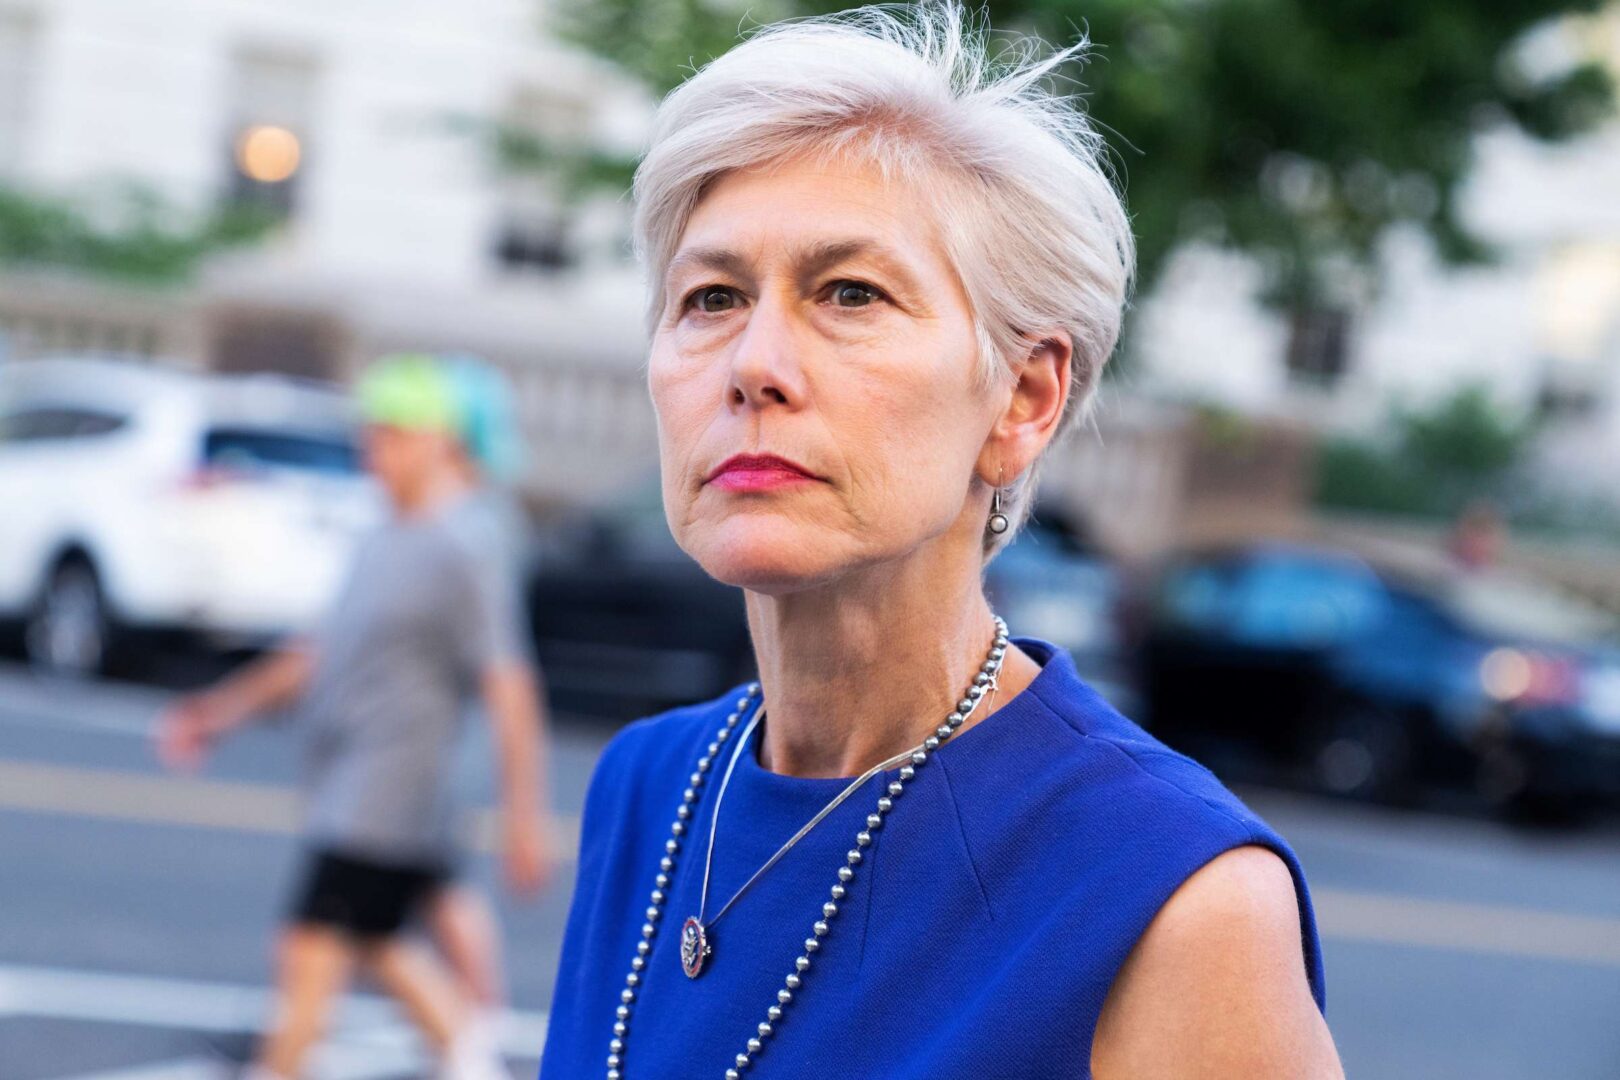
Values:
[(1372, 681)]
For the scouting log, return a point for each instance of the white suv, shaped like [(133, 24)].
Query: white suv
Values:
[(140, 497)]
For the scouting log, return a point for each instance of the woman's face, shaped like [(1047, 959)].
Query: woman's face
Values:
[(811, 315)]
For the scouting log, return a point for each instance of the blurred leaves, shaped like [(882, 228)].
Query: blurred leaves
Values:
[(1431, 462), (577, 169), (130, 234), (1466, 435), (1294, 130)]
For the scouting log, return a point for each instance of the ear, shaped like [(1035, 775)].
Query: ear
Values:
[(1034, 409)]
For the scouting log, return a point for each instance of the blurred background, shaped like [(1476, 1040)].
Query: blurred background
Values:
[(1360, 451)]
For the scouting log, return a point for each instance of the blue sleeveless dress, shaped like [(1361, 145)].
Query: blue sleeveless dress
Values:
[(977, 940)]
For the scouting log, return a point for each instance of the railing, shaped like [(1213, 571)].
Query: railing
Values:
[(45, 316)]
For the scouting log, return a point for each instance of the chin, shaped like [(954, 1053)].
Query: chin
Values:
[(763, 553)]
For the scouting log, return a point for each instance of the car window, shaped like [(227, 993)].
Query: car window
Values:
[(1301, 602), (1199, 595), (49, 423), (250, 449), (1278, 602)]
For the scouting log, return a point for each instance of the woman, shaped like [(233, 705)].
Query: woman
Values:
[(885, 276)]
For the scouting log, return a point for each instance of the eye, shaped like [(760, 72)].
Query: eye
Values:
[(851, 294), (713, 298)]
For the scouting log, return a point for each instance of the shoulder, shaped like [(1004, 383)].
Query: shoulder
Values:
[(1100, 756), (467, 531), (647, 764), (680, 732), (1218, 978), (1159, 809), (1108, 819), (1238, 911), (1211, 915)]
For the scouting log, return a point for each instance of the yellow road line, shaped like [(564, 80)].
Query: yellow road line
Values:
[(1482, 928), (114, 795)]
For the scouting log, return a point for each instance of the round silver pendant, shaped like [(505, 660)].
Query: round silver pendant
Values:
[(695, 948)]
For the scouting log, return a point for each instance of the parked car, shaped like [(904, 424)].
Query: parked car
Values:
[(141, 499), (1374, 682), (625, 623)]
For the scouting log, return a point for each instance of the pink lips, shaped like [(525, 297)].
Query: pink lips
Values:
[(758, 472)]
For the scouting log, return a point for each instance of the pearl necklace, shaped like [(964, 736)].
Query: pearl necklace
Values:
[(985, 678)]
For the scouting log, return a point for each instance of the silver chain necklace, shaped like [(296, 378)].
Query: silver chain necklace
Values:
[(695, 946)]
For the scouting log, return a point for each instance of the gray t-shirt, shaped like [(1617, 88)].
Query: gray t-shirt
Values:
[(427, 606)]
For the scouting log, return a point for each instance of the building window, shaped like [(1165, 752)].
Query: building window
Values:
[(1318, 345), (1564, 399), (18, 59), (534, 244), (267, 141), (532, 233)]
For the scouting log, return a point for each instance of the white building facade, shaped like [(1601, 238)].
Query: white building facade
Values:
[(399, 228)]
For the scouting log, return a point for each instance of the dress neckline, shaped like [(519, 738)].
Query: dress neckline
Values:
[(999, 725)]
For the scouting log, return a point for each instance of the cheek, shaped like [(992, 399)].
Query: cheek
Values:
[(676, 387), (686, 398), (915, 424)]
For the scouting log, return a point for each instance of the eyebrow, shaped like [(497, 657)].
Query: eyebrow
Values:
[(719, 259), (810, 261)]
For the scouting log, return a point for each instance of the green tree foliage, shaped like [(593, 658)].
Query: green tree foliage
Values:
[(1295, 130), (1432, 461), (133, 236), (1466, 434)]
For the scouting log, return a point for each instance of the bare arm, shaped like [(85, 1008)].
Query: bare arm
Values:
[(513, 698), (274, 680), (1216, 988)]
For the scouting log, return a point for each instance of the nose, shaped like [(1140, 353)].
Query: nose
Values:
[(764, 364)]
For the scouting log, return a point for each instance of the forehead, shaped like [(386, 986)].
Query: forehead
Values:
[(803, 207)]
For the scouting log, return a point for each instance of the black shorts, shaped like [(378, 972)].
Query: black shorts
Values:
[(364, 897)]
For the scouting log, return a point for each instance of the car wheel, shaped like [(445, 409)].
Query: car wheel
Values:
[(1365, 753), (68, 630)]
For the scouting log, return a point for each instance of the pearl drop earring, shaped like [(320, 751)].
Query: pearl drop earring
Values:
[(998, 521)]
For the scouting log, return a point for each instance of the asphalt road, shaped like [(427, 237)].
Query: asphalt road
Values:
[(135, 909)]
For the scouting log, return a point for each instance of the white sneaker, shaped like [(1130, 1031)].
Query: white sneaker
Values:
[(474, 1055)]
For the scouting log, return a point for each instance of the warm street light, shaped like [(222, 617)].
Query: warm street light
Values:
[(267, 153)]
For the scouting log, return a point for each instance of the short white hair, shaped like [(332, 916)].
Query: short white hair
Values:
[(1030, 216)]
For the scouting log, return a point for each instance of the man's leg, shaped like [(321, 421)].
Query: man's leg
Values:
[(414, 976), (314, 964), (465, 930), (419, 983)]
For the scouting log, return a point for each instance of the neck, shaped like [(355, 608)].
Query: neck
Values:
[(859, 670), (436, 490)]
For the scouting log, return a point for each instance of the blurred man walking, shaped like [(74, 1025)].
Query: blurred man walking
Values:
[(422, 625)]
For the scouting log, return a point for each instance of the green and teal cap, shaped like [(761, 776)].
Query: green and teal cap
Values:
[(413, 391), (458, 394)]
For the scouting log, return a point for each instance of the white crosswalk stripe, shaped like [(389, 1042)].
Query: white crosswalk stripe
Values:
[(369, 1039)]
